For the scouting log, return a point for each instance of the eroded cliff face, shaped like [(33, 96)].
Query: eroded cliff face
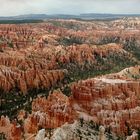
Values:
[(51, 112), (12, 78), (31, 68), (12, 130), (35, 50), (38, 58), (111, 102)]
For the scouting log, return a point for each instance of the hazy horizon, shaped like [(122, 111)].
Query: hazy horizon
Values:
[(72, 7), (67, 14)]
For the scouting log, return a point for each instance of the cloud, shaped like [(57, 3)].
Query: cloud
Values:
[(16, 7)]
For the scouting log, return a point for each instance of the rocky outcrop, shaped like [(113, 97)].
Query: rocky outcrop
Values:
[(40, 135), (4, 121), (114, 103), (134, 136), (51, 112), (16, 132), (33, 50), (38, 57), (12, 130), (31, 79), (108, 100), (102, 133)]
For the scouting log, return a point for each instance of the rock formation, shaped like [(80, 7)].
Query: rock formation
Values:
[(40, 135), (16, 132), (101, 133), (114, 102), (134, 136), (51, 112), (38, 58), (12, 130)]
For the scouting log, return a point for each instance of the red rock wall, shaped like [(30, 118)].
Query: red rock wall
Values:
[(51, 112), (115, 106)]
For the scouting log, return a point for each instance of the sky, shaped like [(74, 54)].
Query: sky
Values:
[(20, 7)]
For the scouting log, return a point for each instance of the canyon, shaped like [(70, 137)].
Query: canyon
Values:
[(70, 79)]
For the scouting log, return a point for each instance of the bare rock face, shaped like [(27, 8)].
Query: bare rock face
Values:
[(59, 134), (102, 133), (12, 130), (16, 132), (74, 131), (27, 62), (4, 121), (114, 103), (50, 113), (38, 79), (5, 126), (107, 100), (134, 136), (33, 57), (40, 135), (30, 125)]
